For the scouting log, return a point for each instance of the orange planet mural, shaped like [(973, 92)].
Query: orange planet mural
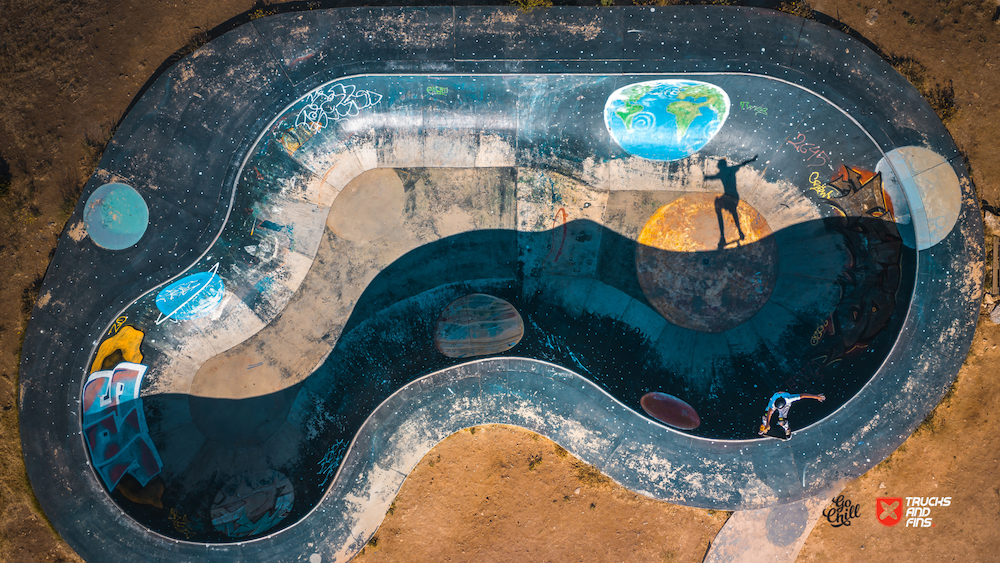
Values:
[(707, 262)]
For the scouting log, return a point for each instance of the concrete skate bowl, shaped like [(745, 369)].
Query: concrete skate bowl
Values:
[(300, 267)]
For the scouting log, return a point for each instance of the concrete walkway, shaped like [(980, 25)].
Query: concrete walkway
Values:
[(775, 534)]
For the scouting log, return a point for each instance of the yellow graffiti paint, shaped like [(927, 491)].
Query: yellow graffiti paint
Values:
[(127, 339), (181, 523), (117, 325), (293, 139), (818, 333), (821, 188)]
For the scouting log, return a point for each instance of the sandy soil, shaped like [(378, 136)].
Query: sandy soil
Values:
[(499, 493), (69, 69)]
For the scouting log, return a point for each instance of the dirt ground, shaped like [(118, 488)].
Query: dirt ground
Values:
[(68, 71)]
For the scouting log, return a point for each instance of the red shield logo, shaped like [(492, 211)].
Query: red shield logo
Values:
[(889, 510)]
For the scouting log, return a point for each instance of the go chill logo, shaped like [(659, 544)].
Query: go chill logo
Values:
[(890, 510)]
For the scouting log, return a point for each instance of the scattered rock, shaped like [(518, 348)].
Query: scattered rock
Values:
[(577, 491), (992, 223), (995, 315), (872, 16), (988, 299)]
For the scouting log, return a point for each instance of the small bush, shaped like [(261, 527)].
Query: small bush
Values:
[(931, 423), (942, 101), (534, 461), (194, 43), (94, 147), (646, 2), (800, 8), (887, 463), (941, 98), (912, 70), (24, 210), (29, 296), (93, 150), (589, 475), (70, 194), (529, 5), (256, 14)]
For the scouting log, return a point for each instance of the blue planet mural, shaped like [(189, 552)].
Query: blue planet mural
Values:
[(191, 297), (116, 216), (666, 119)]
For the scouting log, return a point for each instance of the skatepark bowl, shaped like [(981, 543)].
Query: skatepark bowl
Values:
[(300, 265)]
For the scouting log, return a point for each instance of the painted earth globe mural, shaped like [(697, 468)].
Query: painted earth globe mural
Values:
[(666, 119)]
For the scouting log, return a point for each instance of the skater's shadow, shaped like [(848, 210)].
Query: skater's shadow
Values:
[(730, 199)]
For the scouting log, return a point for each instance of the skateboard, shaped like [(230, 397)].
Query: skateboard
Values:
[(767, 435)]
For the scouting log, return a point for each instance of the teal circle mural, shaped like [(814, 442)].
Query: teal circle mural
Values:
[(116, 216), (666, 119)]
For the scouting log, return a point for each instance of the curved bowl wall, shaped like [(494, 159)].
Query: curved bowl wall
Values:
[(348, 256)]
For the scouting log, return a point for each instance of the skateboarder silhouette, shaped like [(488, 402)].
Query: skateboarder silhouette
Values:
[(782, 402), (730, 199)]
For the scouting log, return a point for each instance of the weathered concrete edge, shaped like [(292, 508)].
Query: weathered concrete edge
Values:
[(931, 281)]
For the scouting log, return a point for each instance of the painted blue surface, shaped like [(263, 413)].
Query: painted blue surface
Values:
[(116, 216), (647, 119), (191, 297)]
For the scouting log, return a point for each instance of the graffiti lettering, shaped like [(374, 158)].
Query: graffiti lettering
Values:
[(870, 278), (334, 103), (181, 523), (114, 425), (818, 333), (331, 461), (824, 191), (293, 139), (811, 149), (559, 219), (252, 504), (117, 325), (841, 513), (756, 109), (436, 90)]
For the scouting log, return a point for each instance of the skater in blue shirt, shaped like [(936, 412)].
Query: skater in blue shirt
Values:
[(782, 402)]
